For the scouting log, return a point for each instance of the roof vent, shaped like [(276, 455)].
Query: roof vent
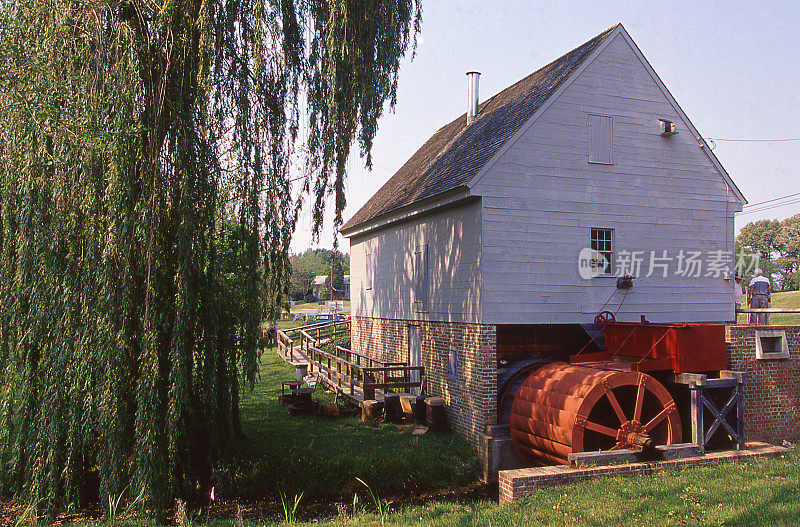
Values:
[(472, 95), (667, 127)]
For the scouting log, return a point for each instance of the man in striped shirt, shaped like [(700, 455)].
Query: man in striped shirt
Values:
[(758, 297)]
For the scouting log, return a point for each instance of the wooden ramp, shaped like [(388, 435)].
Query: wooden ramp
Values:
[(352, 375)]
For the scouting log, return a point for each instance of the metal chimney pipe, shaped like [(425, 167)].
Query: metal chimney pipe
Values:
[(472, 95)]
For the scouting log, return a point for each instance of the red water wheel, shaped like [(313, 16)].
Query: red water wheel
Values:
[(563, 408)]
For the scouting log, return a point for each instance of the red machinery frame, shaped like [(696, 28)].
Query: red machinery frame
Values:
[(680, 348)]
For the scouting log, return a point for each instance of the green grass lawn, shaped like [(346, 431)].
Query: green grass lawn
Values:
[(288, 324), (762, 492), (756, 493), (321, 457), (788, 299)]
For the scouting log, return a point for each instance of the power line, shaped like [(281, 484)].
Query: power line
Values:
[(783, 140), (771, 200), (770, 207)]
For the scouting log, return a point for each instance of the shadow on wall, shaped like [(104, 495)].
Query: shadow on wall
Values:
[(450, 240)]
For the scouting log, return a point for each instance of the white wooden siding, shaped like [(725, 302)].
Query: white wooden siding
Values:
[(448, 242), (541, 198), (601, 142)]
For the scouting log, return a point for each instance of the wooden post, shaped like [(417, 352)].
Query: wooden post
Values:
[(695, 382), (698, 429), (352, 381), (700, 387), (740, 417)]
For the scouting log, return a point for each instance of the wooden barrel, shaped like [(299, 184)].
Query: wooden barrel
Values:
[(435, 414), (419, 409), (330, 410), (407, 406), (371, 409), (392, 408)]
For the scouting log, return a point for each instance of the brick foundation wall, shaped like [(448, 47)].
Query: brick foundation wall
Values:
[(521, 483), (470, 396), (772, 389)]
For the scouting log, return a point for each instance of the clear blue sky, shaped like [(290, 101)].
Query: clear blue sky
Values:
[(734, 68)]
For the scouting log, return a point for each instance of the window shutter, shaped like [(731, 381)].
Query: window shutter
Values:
[(600, 139), (421, 279), (369, 269)]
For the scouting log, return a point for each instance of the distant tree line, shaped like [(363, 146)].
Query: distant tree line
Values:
[(777, 244), (317, 262)]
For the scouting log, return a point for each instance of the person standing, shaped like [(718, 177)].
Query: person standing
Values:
[(758, 297)]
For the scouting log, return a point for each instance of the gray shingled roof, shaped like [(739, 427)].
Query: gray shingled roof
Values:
[(456, 152)]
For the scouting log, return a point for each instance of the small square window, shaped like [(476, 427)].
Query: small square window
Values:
[(602, 241), (771, 344)]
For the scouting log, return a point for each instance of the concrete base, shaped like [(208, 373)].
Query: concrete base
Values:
[(497, 453), (615, 457), (515, 484)]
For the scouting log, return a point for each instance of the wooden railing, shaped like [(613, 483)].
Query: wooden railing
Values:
[(348, 370), (286, 346), (343, 368), (300, 338), (768, 310), (315, 334)]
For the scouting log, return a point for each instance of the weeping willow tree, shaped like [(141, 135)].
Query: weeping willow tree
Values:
[(132, 133)]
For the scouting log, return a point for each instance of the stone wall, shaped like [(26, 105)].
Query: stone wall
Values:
[(772, 389), (470, 394)]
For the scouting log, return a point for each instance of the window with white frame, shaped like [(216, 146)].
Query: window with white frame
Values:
[(602, 241), (601, 144), (771, 344)]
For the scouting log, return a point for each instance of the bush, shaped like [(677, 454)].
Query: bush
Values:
[(310, 298)]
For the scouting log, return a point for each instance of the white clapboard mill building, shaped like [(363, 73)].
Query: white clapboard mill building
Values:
[(468, 257)]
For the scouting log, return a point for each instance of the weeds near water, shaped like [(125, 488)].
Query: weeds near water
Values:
[(184, 518), (239, 516), (113, 506), (32, 512), (290, 509), (381, 505), (341, 510)]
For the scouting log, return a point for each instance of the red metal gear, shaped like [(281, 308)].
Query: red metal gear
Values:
[(603, 319)]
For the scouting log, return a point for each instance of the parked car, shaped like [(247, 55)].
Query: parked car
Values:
[(330, 317)]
